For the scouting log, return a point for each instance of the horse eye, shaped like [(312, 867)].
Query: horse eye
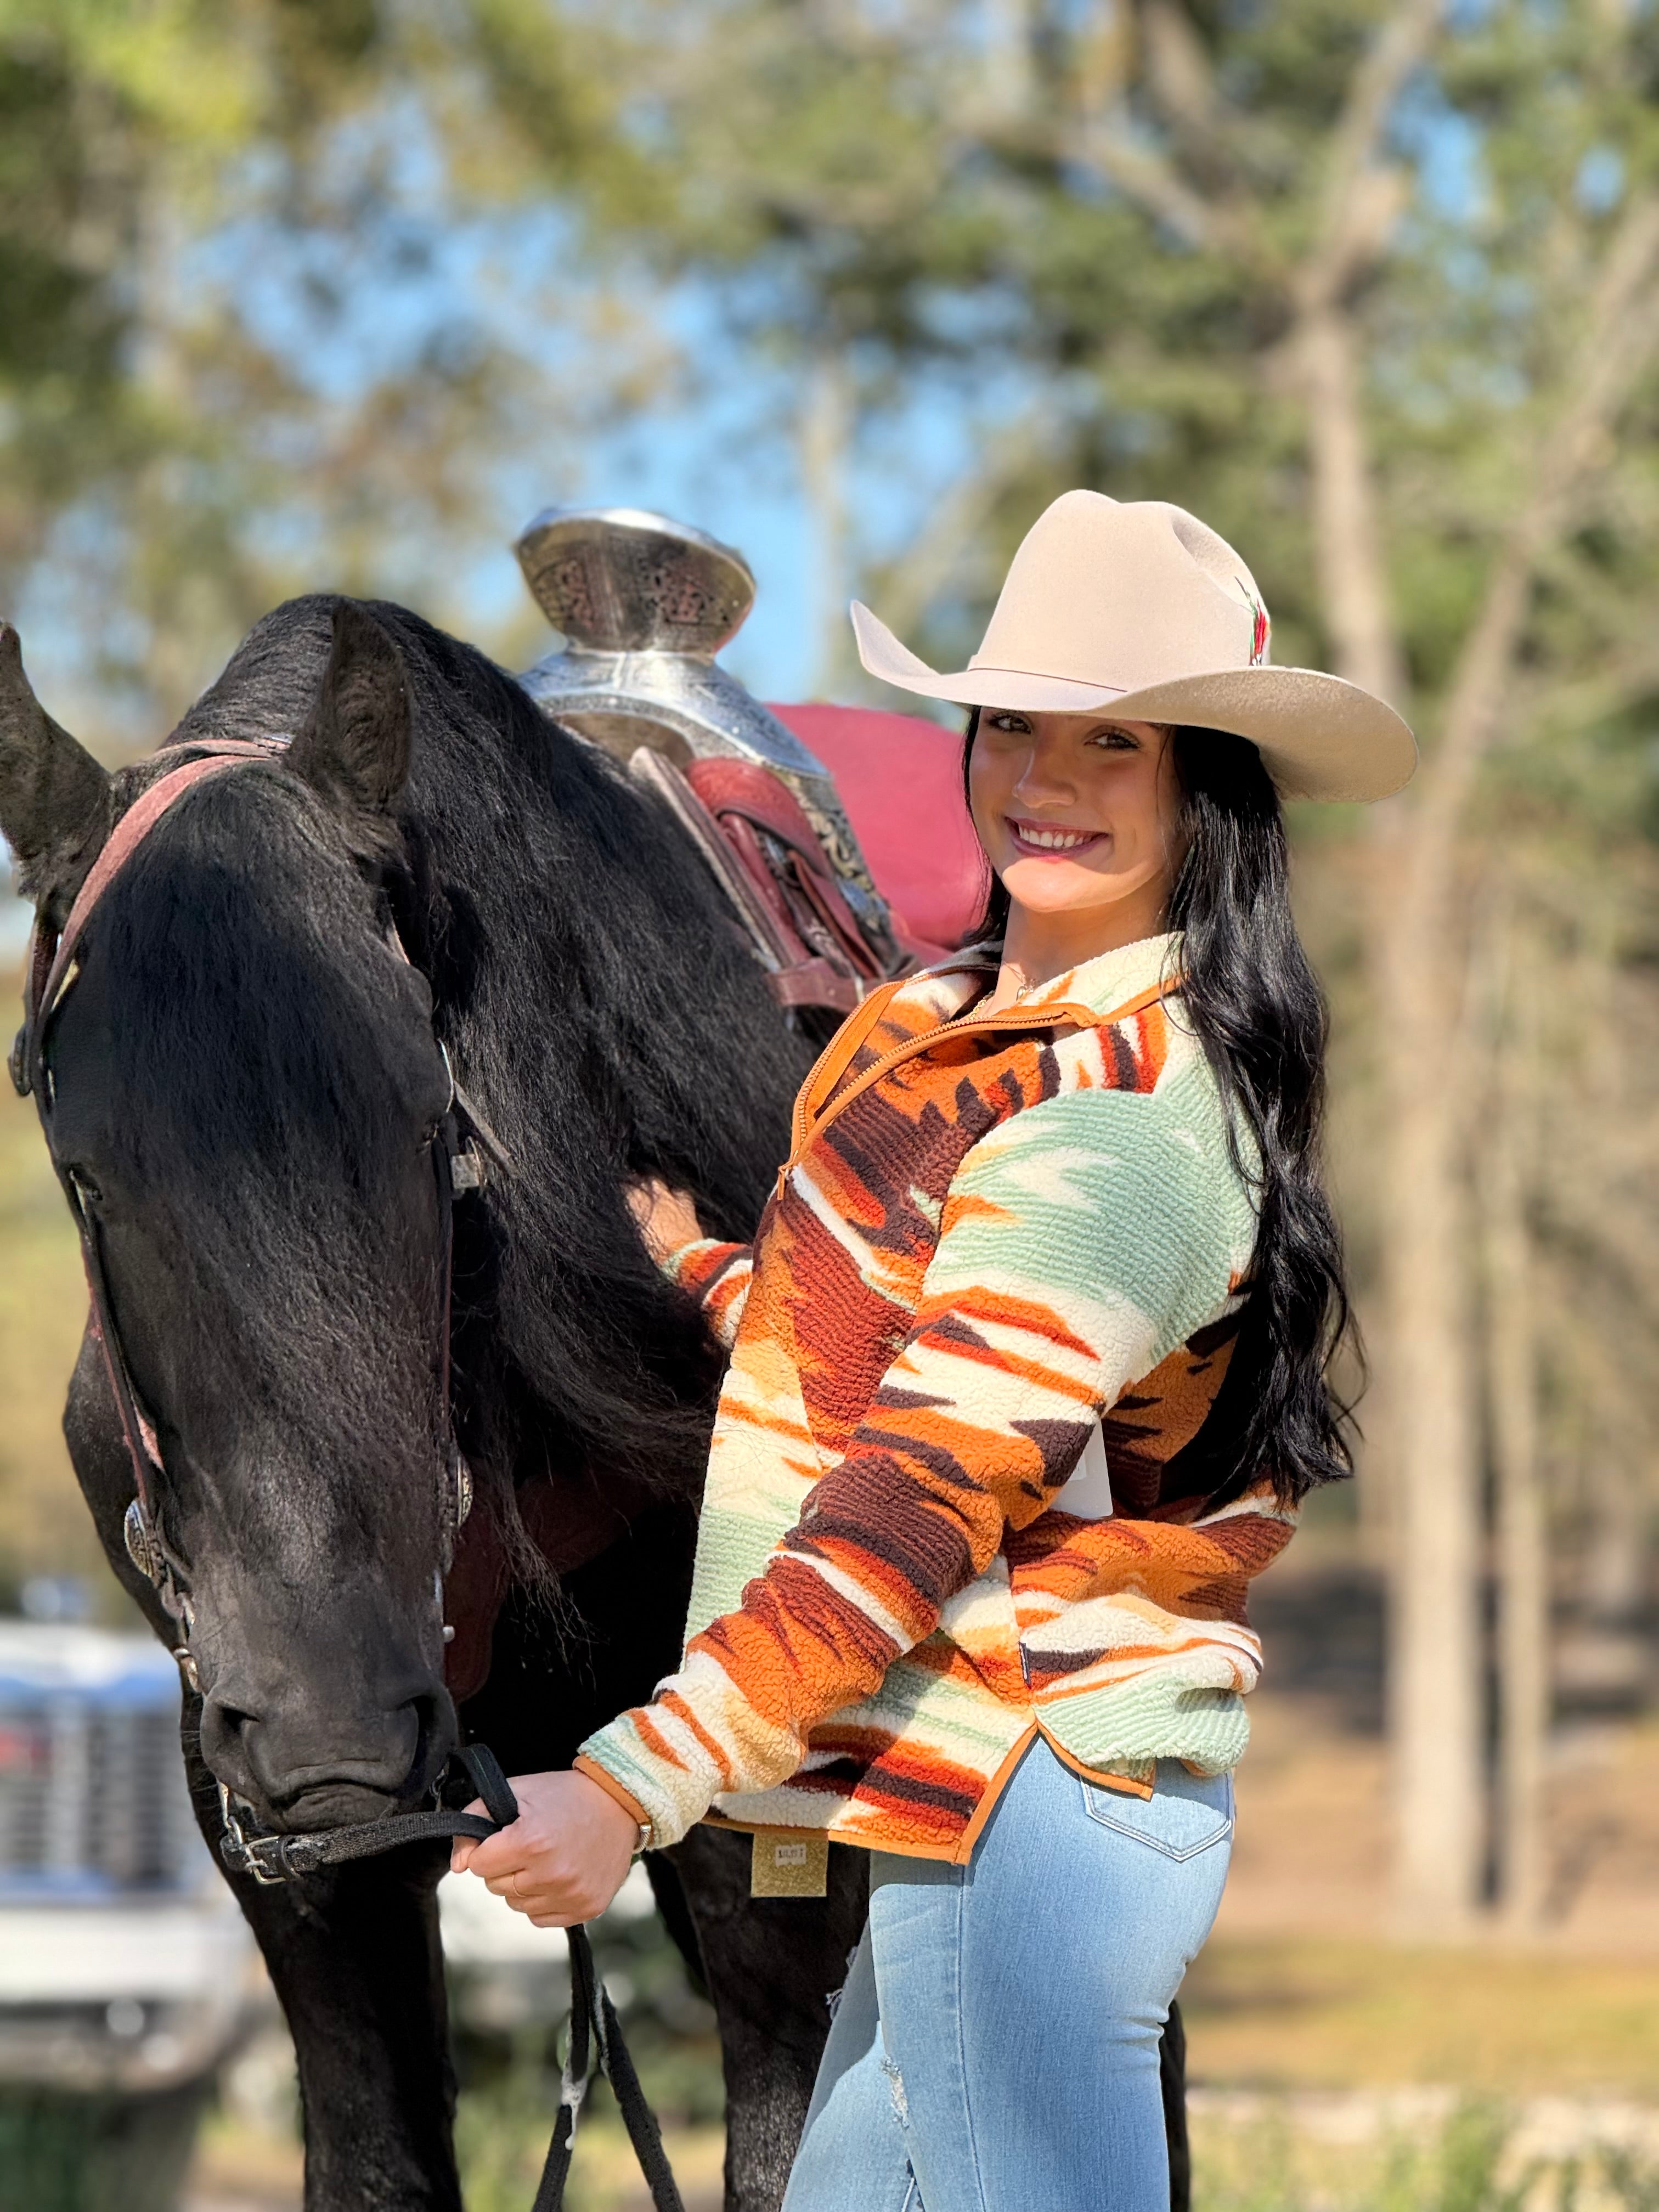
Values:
[(86, 1186)]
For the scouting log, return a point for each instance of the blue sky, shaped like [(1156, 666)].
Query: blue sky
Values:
[(349, 302), (717, 446)]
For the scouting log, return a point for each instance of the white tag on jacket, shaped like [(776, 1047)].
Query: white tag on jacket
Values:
[(1088, 1492)]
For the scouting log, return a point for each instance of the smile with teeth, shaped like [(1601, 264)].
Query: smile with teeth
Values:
[(1038, 837)]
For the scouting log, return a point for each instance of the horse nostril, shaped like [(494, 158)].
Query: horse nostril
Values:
[(227, 1732), (434, 1734)]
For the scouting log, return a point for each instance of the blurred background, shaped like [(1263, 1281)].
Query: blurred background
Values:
[(335, 294)]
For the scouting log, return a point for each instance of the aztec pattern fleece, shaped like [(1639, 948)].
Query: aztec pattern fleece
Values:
[(988, 1237)]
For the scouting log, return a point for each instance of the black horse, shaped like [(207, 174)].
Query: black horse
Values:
[(243, 1084), (244, 1079)]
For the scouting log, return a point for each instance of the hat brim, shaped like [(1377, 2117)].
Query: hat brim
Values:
[(1319, 736)]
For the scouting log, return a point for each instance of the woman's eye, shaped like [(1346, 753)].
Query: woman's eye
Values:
[(1014, 726), (1116, 741)]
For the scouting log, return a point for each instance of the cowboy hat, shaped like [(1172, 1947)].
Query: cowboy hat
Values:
[(1140, 607)]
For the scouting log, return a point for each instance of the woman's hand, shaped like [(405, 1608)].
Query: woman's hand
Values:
[(667, 1219), (563, 1859)]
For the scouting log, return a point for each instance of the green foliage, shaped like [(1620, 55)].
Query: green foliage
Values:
[(510, 2082), (44, 1526), (1476, 2161), (196, 206), (102, 2152)]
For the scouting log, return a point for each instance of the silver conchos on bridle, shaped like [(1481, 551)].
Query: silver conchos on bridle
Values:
[(644, 604)]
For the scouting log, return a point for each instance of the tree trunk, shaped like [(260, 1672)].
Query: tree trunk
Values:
[(1616, 1558), (1353, 586), (1416, 957), (826, 437), (1008, 78), (1426, 1362), (1434, 1687), (1522, 1558)]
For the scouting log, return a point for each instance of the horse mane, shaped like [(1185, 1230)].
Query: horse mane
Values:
[(600, 1006)]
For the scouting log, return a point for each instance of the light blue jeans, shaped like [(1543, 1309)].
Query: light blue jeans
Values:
[(995, 2048)]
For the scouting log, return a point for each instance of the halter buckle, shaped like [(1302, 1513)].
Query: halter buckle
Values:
[(142, 1549), (460, 1489), (261, 1856)]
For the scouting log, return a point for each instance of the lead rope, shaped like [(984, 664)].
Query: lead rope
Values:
[(592, 2012), (596, 2036), (593, 2021)]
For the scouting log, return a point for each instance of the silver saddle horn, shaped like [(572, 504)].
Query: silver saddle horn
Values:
[(644, 604)]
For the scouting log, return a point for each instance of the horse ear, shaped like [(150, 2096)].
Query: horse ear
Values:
[(54, 797), (355, 749)]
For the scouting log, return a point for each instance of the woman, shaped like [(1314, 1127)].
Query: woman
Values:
[(1028, 1375)]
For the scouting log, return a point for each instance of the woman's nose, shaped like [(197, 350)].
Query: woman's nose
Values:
[(1041, 782)]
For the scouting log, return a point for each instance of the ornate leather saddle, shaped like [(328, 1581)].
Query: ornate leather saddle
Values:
[(644, 604)]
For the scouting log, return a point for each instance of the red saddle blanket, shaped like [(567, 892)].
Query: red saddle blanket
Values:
[(900, 779)]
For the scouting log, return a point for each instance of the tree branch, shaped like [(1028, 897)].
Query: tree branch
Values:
[(1620, 331), (1354, 216), (1102, 144), (935, 558)]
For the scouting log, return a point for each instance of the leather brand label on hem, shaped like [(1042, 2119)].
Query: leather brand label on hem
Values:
[(786, 1865)]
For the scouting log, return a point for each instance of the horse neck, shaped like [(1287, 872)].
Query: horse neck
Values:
[(565, 989)]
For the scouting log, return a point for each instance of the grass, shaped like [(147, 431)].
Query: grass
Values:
[(1475, 2161), (44, 1524), (1331, 2013), (501, 2139)]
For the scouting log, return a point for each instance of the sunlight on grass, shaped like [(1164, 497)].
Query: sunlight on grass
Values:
[(1476, 2160), (502, 2138), (1333, 2013)]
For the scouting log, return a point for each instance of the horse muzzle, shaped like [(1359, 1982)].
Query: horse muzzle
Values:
[(302, 1765)]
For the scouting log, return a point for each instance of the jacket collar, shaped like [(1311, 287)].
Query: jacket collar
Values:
[(1106, 982)]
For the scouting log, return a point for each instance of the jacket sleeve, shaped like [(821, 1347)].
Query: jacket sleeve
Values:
[(717, 1276), (1080, 1242)]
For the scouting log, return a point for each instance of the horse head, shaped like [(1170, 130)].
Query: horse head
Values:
[(240, 1087)]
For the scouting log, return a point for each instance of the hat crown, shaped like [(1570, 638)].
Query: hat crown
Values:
[(1124, 594), (1139, 609)]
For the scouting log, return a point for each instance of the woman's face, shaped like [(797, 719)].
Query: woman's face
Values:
[(1077, 810)]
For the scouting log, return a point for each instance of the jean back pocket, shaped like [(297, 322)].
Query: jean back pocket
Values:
[(1186, 1813)]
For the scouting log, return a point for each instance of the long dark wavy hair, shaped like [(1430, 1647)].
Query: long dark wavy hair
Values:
[(1257, 1008)]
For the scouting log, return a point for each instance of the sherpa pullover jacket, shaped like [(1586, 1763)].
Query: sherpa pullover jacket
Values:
[(997, 1243)]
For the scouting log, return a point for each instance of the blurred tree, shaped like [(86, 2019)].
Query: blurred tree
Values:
[(244, 339), (1372, 288)]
